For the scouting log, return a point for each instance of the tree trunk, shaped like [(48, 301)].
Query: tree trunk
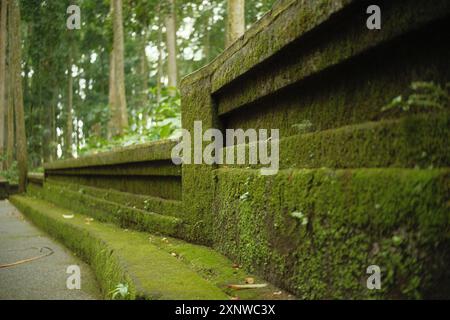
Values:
[(3, 41), (207, 37), (144, 78), (236, 20), (9, 120), (77, 136), (10, 148), (119, 66), (171, 30), (53, 138), (69, 120), (159, 70), (18, 96), (113, 125)]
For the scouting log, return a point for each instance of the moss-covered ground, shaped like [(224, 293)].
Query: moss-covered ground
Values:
[(153, 267)]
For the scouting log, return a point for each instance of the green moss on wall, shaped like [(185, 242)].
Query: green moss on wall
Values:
[(316, 231), (147, 203), (197, 180), (328, 102), (166, 187), (295, 56), (149, 168), (415, 141), (152, 151), (107, 211)]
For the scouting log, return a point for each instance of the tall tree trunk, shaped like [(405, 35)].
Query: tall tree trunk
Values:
[(120, 66), (77, 136), (144, 77), (69, 119), (236, 20), (207, 37), (113, 125), (18, 96), (53, 138), (171, 30), (9, 120), (3, 111), (159, 70), (10, 148)]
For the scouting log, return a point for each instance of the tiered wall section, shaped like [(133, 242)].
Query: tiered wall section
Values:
[(361, 187)]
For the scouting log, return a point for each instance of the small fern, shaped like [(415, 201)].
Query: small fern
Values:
[(424, 95), (121, 289)]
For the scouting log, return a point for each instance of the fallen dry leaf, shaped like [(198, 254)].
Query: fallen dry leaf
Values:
[(68, 216), (249, 280), (247, 286), (277, 293)]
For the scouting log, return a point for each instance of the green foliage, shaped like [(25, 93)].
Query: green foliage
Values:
[(51, 52), (12, 173), (423, 95), (121, 289), (158, 120)]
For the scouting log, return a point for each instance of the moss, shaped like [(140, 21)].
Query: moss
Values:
[(270, 34), (150, 168), (218, 269), (166, 187), (197, 180), (104, 210), (119, 256), (282, 73), (36, 178), (152, 151), (412, 141), (353, 219), (34, 189), (328, 102), (311, 231), (294, 61), (105, 264), (146, 203)]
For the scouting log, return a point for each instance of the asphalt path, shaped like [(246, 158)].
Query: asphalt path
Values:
[(44, 278)]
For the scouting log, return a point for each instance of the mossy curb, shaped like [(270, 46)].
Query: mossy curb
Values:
[(157, 205), (107, 211), (120, 256)]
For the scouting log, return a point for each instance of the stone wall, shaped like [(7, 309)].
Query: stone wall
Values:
[(136, 187), (144, 169), (361, 186), (7, 189)]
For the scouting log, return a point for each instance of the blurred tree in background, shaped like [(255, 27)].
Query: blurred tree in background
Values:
[(74, 101)]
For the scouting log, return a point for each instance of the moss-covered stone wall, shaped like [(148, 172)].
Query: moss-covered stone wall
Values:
[(360, 186), (145, 169)]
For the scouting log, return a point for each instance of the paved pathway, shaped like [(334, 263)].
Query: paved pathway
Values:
[(44, 278)]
